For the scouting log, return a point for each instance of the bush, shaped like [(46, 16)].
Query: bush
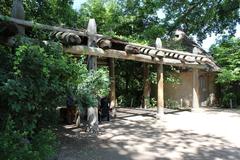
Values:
[(33, 82), (15, 145)]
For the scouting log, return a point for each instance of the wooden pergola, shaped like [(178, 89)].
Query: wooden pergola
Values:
[(88, 42)]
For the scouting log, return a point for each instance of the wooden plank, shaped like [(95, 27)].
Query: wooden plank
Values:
[(84, 50)]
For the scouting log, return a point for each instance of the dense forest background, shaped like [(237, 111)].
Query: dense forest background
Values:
[(34, 78)]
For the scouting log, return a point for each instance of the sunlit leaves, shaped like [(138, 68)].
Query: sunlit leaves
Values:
[(227, 55)]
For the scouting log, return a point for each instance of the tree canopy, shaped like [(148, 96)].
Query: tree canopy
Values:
[(140, 19), (227, 54)]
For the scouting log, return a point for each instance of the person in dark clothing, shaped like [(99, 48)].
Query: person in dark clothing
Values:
[(70, 109), (103, 110)]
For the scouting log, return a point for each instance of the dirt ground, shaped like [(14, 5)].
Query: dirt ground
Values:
[(136, 134)]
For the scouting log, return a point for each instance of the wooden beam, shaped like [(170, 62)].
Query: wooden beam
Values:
[(84, 50), (160, 89)]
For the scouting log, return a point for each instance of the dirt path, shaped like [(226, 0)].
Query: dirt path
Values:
[(137, 135)]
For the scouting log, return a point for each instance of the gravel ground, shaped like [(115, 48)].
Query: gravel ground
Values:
[(210, 134)]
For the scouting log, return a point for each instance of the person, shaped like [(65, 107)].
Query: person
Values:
[(104, 109), (70, 109)]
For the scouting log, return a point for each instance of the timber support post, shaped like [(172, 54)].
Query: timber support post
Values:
[(92, 111), (160, 89), (113, 102), (92, 30), (195, 86), (18, 12)]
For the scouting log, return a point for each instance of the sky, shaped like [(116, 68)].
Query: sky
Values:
[(206, 43)]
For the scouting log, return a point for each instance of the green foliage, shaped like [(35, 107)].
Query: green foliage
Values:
[(172, 104), (33, 82), (139, 18), (95, 84), (52, 12), (153, 102), (201, 17), (106, 14), (129, 82), (136, 19), (227, 55), (15, 145)]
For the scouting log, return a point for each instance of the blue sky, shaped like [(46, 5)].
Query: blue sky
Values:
[(206, 43)]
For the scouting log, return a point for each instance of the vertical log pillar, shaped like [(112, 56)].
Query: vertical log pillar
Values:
[(113, 103), (92, 111), (195, 86), (18, 12), (195, 90), (147, 87), (92, 30), (160, 89)]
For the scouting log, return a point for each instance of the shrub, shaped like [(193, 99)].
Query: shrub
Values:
[(33, 82)]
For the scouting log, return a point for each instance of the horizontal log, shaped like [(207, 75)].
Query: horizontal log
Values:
[(66, 38), (186, 57), (46, 27), (168, 50), (84, 50)]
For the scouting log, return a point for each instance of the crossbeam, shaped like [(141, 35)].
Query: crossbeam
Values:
[(110, 53)]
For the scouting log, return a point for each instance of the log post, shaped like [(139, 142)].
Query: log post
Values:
[(18, 12), (147, 86), (160, 96), (113, 102), (92, 111), (92, 30), (195, 86)]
